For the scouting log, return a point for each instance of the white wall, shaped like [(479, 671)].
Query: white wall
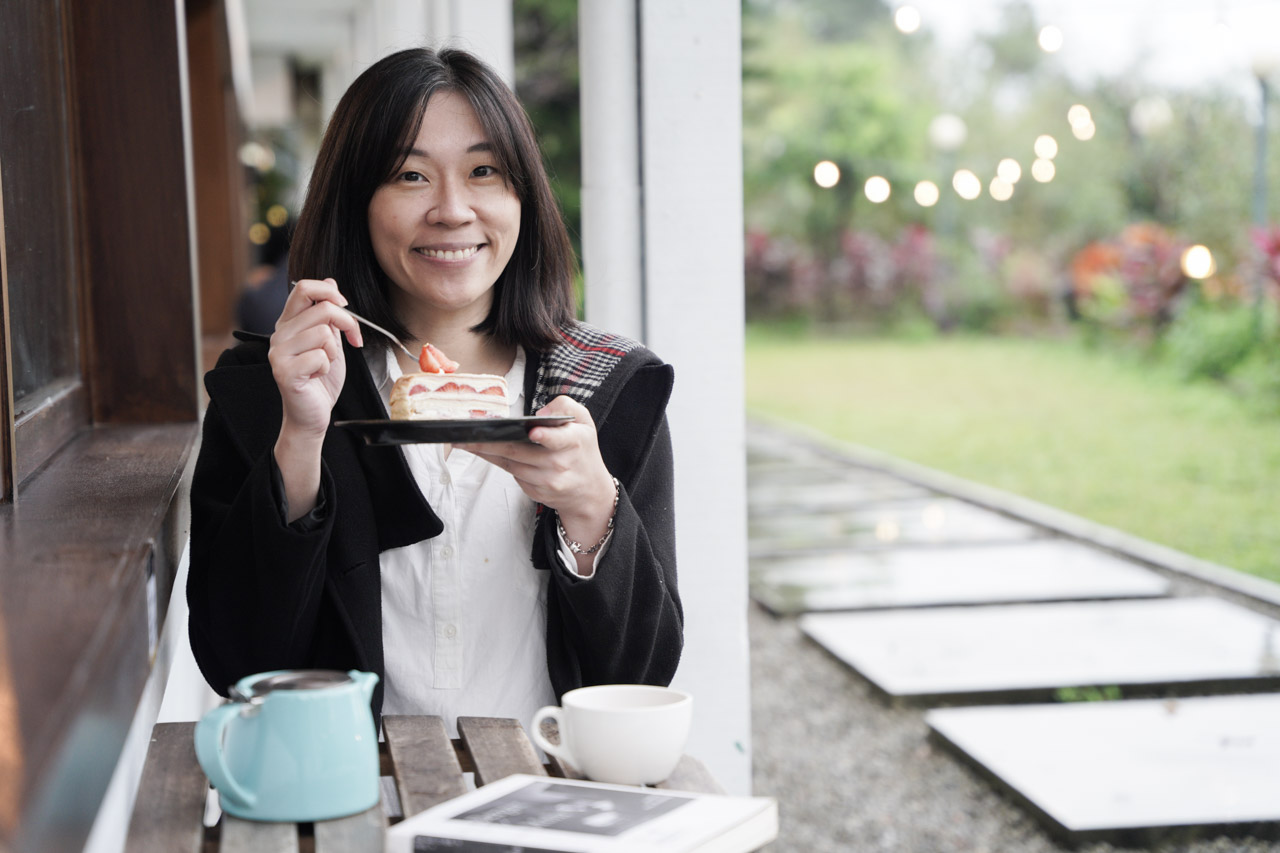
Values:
[(690, 132)]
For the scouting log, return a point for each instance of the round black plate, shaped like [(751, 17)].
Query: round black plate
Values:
[(450, 432)]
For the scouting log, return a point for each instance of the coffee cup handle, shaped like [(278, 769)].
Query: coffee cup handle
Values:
[(213, 759), (561, 751)]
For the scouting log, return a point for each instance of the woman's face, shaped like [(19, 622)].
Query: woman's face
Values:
[(445, 225)]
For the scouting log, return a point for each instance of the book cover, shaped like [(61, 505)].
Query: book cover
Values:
[(541, 814)]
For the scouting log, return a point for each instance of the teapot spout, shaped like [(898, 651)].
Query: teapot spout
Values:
[(365, 681)]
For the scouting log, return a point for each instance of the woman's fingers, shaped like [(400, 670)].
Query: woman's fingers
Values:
[(562, 468), (312, 301), (307, 338)]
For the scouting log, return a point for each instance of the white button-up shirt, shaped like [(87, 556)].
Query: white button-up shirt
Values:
[(464, 614)]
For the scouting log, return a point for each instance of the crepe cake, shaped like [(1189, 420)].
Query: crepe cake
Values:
[(439, 392)]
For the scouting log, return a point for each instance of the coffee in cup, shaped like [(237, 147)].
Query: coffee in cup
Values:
[(627, 734)]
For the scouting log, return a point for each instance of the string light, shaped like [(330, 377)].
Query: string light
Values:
[(1043, 170), (1198, 263), (1009, 170), (1050, 39), (927, 194), (907, 19), (966, 184), (877, 189), (826, 174), (1046, 147)]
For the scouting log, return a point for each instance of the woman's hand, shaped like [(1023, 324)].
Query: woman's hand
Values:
[(306, 355), (309, 369), (562, 470)]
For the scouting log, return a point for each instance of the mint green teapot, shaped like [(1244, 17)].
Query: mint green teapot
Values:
[(293, 745)]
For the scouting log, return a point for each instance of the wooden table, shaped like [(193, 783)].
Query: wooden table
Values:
[(426, 764)]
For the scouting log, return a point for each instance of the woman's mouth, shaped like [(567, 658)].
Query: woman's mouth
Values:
[(449, 254)]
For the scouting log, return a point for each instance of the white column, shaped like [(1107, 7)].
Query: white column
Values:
[(482, 27), (611, 226), (691, 163), (400, 24)]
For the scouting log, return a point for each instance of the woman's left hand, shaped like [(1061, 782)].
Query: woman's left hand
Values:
[(562, 469)]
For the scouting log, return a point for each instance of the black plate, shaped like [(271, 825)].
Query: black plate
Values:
[(450, 432)]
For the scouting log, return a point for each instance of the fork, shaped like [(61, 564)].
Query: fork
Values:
[(374, 326)]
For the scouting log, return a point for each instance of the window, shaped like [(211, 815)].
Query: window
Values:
[(41, 281)]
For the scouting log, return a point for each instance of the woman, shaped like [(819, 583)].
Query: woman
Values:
[(486, 579)]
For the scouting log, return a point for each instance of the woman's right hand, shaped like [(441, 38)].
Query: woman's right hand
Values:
[(306, 355)]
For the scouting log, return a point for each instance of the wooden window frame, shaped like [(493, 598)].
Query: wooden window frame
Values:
[(95, 480)]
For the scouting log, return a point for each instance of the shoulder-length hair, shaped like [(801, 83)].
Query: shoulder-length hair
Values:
[(368, 140)]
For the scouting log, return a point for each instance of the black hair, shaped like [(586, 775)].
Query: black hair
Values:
[(368, 139)]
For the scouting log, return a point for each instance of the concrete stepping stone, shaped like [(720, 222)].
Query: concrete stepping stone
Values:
[(1133, 771), (1028, 651), (1038, 570), (923, 522), (827, 493)]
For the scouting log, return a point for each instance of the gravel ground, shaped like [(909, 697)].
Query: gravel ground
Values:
[(853, 773)]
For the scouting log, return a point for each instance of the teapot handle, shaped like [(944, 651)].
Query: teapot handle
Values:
[(213, 759)]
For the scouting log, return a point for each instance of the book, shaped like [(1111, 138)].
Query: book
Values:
[(542, 814)]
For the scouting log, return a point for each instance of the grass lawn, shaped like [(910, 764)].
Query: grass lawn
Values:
[(1108, 438)]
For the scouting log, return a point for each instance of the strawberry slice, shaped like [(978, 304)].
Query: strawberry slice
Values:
[(434, 361)]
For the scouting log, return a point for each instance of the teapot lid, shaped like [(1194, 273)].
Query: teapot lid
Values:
[(299, 679)]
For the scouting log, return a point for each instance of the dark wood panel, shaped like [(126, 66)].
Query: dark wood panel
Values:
[(89, 722), (8, 462), (220, 187), (75, 553), (140, 334), (36, 141), (498, 747), (424, 763), (171, 795), (42, 432)]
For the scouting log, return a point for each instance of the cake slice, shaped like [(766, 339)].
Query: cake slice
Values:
[(439, 392)]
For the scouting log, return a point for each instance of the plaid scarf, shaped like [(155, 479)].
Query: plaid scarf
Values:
[(579, 364)]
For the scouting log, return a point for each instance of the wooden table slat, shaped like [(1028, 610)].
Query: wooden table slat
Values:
[(563, 769), (365, 832), (499, 747), (423, 760), (691, 775), (168, 814), (249, 836)]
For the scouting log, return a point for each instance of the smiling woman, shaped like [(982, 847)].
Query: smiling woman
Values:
[(444, 226), (484, 579)]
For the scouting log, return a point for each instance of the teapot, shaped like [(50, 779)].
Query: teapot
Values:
[(293, 745)]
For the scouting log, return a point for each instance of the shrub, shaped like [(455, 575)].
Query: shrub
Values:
[(1209, 341), (1131, 283)]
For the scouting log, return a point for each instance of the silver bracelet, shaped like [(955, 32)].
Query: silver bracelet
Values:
[(577, 547)]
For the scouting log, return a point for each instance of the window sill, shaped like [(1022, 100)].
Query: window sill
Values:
[(87, 560)]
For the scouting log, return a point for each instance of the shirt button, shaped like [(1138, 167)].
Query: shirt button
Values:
[(445, 479), (450, 631), (446, 551)]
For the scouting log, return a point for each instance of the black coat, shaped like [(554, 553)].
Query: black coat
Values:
[(266, 595)]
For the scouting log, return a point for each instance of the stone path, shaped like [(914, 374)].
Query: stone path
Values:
[(890, 560)]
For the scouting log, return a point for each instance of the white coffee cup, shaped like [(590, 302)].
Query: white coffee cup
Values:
[(627, 734)]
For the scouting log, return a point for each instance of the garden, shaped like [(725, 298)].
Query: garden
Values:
[(982, 263)]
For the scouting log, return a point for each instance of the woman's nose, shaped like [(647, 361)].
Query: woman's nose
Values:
[(451, 205)]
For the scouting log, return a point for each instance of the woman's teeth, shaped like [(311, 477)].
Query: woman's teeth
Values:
[(450, 255)]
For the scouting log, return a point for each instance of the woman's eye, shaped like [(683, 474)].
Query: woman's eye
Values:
[(412, 177), (484, 171)]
